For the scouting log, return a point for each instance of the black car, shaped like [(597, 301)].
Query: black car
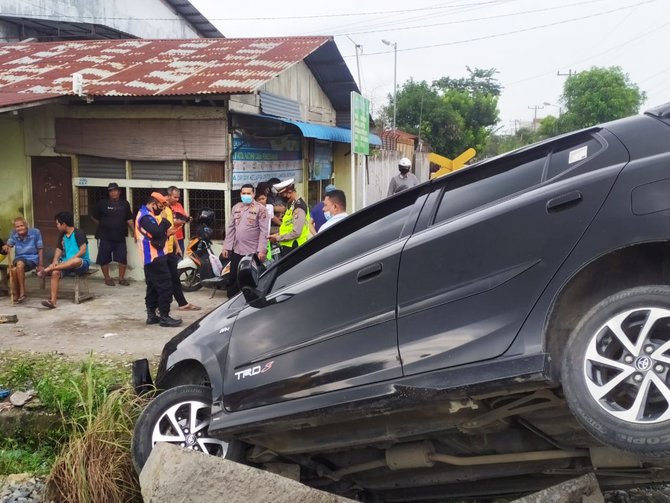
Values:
[(491, 332)]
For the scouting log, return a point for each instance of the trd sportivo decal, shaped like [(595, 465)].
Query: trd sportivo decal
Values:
[(253, 371)]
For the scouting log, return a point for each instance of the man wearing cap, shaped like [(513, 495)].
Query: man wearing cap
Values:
[(294, 229), (247, 232), (317, 217), (403, 180), (114, 217), (152, 229)]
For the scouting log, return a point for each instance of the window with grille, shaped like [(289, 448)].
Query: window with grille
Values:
[(88, 198), (199, 199)]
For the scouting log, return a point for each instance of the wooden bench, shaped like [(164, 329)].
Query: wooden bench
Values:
[(82, 292)]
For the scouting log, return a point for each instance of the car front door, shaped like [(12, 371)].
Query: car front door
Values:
[(499, 233), (330, 320)]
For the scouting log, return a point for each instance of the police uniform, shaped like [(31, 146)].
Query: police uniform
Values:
[(247, 232), (294, 229)]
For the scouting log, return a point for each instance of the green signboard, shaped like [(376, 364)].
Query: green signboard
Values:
[(360, 124)]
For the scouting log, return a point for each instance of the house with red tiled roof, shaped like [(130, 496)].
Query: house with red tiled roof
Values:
[(206, 115)]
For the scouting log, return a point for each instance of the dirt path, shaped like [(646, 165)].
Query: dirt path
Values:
[(112, 323)]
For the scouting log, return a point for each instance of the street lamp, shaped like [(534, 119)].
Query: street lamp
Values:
[(560, 110), (395, 68)]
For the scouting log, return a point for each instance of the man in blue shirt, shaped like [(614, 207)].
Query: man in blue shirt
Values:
[(28, 255), (71, 254)]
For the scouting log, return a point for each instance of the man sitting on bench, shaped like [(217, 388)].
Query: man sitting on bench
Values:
[(28, 255), (71, 255)]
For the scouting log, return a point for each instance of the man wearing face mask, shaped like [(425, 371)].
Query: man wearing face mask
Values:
[(247, 232), (152, 229), (334, 208), (403, 180), (294, 229)]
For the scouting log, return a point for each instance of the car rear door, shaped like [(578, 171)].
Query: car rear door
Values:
[(330, 322), (494, 237)]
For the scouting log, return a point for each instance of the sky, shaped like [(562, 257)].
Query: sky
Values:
[(529, 42)]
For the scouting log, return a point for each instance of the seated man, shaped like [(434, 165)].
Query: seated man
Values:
[(28, 255), (71, 255)]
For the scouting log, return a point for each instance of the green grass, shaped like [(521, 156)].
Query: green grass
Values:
[(74, 389)]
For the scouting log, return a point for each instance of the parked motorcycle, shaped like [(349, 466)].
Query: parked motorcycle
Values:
[(199, 262)]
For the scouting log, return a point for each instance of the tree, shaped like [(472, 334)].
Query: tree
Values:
[(598, 95), (450, 114)]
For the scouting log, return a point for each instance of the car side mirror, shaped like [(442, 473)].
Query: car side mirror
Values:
[(248, 272)]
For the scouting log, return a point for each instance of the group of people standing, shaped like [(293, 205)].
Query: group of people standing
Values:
[(269, 221)]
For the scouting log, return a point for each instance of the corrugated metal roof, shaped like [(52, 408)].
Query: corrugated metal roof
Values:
[(146, 68)]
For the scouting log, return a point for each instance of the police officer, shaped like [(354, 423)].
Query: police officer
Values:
[(247, 232), (294, 229)]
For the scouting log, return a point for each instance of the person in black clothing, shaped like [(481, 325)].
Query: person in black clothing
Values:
[(151, 237), (113, 217)]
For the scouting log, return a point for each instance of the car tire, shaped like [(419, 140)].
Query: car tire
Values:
[(174, 409), (616, 371), (190, 279)]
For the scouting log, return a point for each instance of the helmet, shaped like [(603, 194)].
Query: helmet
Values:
[(207, 217), (405, 163)]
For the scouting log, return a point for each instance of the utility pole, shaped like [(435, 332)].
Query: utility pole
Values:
[(536, 108), (358, 64)]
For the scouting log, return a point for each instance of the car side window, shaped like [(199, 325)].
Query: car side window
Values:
[(362, 232), (487, 183), (569, 155)]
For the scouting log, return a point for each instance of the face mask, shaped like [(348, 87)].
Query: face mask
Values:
[(328, 215), (246, 198), (404, 171), (156, 211)]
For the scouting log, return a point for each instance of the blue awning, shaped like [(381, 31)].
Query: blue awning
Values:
[(328, 133)]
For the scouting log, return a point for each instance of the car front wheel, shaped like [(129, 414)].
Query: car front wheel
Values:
[(616, 371), (180, 416)]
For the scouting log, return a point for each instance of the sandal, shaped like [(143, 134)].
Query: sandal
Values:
[(49, 304), (109, 282), (124, 282), (21, 299), (189, 307)]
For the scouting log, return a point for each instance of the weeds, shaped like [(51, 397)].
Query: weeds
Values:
[(95, 464), (93, 437)]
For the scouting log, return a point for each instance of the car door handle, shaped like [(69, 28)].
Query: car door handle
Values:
[(564, 201), (369, 272)]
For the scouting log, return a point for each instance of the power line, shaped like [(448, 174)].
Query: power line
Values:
[(473, 20), (513, 32)]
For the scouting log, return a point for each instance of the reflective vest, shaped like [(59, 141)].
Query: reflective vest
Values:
[(147, 252), (287, 226)]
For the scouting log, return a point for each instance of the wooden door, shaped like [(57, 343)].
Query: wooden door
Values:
[(52, 193)]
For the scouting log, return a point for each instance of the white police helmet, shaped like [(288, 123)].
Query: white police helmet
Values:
[(405, 163)]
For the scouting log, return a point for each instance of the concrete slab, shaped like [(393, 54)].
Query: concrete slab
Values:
[(175, 474)]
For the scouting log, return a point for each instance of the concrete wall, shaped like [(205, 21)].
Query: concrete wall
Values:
[(145, 19), (15, 198)]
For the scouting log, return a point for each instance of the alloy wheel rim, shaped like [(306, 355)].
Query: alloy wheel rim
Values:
[(186, 424), (627, 366)]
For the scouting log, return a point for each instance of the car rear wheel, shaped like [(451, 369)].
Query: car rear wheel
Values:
[(180, 416), (616, 371)]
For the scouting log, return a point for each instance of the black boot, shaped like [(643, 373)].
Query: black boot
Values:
[(166, 321), (152, 318)]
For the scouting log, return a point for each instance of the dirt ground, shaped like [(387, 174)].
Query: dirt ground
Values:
[(112, 323)]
